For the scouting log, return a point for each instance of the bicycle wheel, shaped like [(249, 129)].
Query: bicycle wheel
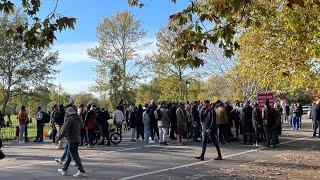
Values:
[(115, 138)]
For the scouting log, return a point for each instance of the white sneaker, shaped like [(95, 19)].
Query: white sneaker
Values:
[(62, 172), (58, 161), (79, 174)]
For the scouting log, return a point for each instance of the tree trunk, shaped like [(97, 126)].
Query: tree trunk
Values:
[(5, 103)]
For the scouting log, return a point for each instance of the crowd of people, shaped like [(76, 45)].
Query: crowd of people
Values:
[(218, 123)]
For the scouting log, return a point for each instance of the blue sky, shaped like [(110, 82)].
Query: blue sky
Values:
[(76, 73)]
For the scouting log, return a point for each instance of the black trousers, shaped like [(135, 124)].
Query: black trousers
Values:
[(196, 132), (315, 126), (140, 131), (173, 130), (271, 135), (40, 126), (205, 140), (154, 130)]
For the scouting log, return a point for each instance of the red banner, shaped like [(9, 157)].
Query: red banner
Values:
[(262, 97)]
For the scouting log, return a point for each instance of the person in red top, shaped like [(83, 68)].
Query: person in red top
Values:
[(22, 117), (90, 126)]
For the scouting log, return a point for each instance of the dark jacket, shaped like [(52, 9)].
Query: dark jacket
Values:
[(195, 115), (269, 117), (315, 112), (300, 111), (256, 118), (208, 120), (99, 117), (246, 119), (133, 119), (58, 117), (72, 126), (140, 116), (173, 115)]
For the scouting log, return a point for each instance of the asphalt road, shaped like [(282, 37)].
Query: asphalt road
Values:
[(136, 160)]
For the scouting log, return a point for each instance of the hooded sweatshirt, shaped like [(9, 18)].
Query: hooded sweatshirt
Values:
[(72, 126)]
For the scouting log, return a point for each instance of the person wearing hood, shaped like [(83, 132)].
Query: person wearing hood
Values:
[(72, 131)]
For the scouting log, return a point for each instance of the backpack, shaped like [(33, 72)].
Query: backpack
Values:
[(45, 117)]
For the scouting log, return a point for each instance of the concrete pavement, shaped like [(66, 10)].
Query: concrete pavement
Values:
[(136, 160)]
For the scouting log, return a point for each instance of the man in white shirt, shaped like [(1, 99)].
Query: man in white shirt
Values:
[(118, 119)]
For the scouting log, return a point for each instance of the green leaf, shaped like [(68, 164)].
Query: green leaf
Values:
[(25, 4), (236, 5)]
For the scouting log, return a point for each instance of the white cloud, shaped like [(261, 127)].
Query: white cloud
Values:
[(149, 49), (75, 86), (74, 52)]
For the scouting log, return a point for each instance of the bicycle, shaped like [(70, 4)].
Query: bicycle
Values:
[(114, 136)]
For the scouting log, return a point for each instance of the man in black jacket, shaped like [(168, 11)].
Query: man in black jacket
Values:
[(140, 127), (99, 117), (315, 116), (153, 122), (246, 121), (58, 120), (173, 121), (196, 122), (209, 129)]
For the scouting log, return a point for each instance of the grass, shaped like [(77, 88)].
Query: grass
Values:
[(9, 133)]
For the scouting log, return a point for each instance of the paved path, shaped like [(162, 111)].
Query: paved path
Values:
[(135, 160)]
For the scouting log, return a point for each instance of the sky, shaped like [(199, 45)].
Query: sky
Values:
[(75, 70)]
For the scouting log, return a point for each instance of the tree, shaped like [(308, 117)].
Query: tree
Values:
[(119, 40), (220, 21), (21, 68), (279, 55), (37, 32), (84, 98), (59, 96)]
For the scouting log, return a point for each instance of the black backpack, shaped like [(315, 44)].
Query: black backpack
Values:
[(45, 117)]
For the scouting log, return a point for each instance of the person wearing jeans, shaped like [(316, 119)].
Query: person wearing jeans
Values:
[(209, 130), (22, 117), (146, 125), (72, 131)]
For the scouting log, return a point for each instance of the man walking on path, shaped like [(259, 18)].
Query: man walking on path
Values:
[(72, 130), (209, 129)]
